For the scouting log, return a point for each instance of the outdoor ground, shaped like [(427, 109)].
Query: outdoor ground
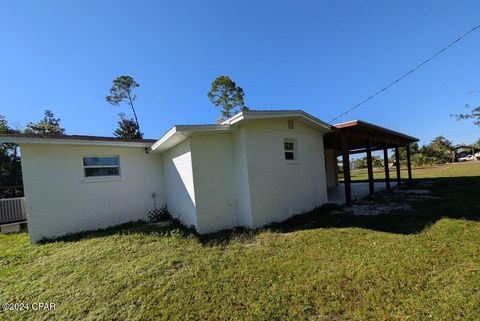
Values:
[(419, 262), (433, 171)]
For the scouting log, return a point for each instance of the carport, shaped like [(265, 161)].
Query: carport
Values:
[(355, 137)]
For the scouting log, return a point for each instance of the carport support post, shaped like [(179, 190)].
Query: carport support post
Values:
[(371, 186), (385, 166), (397, 163), (409, 164), (346, 170)]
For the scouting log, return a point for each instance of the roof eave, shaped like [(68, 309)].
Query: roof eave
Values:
[(66, 141), (177, 134), (265, 114), (357, 122)]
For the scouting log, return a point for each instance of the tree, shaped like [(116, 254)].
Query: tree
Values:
[(10, 166), (441, 143), (127, 128), (122, 91), (439, 151), (361, 163), (402, 153), (473, 114), (226, 94), (477, 144), (48, 125)]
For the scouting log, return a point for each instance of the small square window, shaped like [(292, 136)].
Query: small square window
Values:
[(289, 149)]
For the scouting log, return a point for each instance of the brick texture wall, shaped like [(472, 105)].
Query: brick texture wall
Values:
[(60, 200)]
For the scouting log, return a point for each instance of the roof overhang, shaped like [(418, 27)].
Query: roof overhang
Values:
[(358, 132), (22, 139), (300, 115), (177, 134)]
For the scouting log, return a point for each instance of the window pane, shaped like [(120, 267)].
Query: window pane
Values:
[(288, 145), (99, 161), (289, 156), (102, 171)]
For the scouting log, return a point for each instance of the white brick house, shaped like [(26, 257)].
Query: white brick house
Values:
[(255, 168)]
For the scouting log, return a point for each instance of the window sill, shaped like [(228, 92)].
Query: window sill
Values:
[(292, 162), (100, 179)]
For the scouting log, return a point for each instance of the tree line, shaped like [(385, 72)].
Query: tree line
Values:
[(439, 151), (10, 167)]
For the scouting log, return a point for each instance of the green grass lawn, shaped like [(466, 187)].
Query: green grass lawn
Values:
[(417, 264), (451, 170)]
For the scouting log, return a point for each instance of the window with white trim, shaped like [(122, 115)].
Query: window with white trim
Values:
[(101, 166), (290, 149)]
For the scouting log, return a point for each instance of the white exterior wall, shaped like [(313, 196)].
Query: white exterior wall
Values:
[(214, 179), (178, 182), (278, 188), (242, 189), (211, 181), (59, 200), (331, 168)]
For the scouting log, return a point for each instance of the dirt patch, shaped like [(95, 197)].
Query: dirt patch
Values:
[(412, 191), (415, 194), (374, 208), (386, 202)]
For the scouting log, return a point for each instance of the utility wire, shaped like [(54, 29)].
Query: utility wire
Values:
[(407, 73)]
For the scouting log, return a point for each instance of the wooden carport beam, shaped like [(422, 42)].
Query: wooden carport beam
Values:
[(346, 170), (397, 163), (385, 166), (371, 183), (409, 164)]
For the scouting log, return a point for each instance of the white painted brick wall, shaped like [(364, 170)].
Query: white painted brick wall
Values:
[(242, 189), (278, 188), (211, 182), (60, 201), (331, 168), (179, 187), (214, 178)]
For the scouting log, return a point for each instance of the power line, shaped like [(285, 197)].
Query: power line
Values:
[(407, 73)]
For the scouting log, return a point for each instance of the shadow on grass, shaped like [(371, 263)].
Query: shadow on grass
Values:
[(453, 197)]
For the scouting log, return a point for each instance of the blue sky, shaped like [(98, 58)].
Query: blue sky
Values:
[(319, 56)]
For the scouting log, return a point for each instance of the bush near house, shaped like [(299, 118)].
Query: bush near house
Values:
[(417, 264)]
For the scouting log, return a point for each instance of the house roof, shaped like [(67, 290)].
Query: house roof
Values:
[(172, 137), (272, 114), (463, 146), (74, 140), (179, 133)]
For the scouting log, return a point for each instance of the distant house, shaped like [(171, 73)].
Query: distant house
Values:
[(463, 151), (253, 169)]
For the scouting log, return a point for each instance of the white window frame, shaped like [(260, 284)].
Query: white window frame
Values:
[(104, 177), (294, 151)]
